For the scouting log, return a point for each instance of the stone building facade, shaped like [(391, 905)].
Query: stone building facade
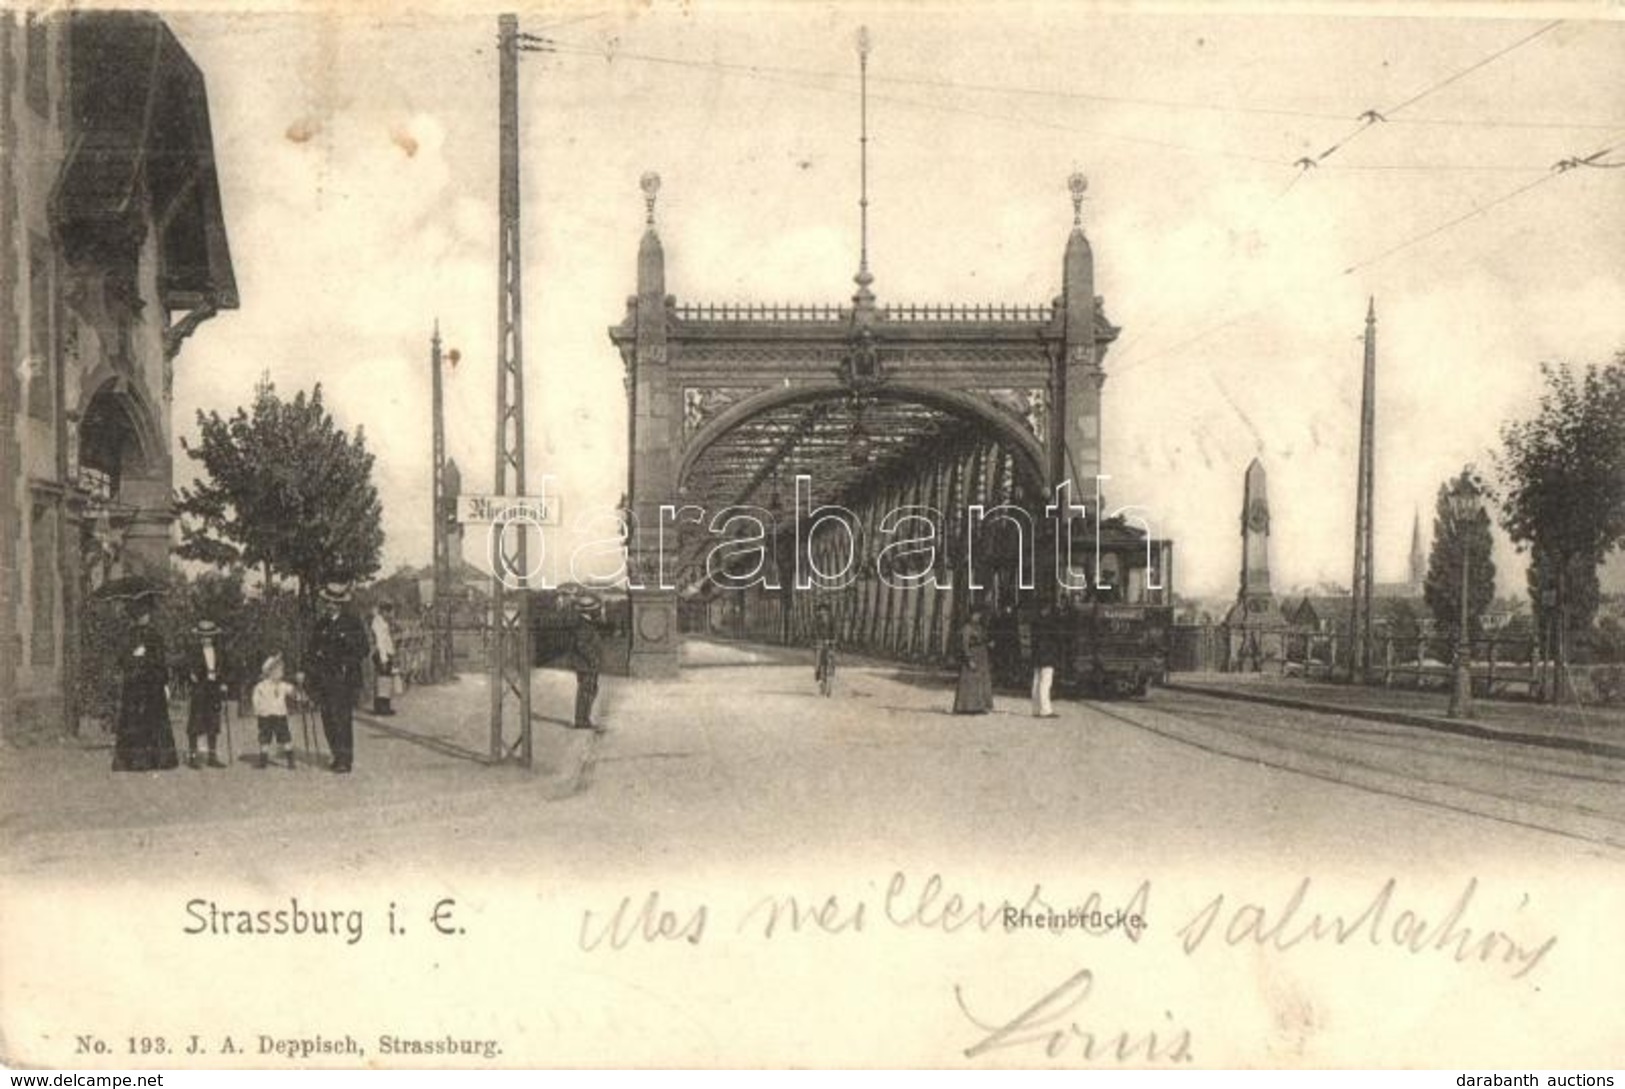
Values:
[(112, 251)]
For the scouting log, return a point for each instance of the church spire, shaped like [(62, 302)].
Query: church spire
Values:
[(1419, 562)]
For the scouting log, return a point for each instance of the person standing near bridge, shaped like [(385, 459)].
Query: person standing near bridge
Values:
[(206, 672), (143, 739), (338, 647), (974, 694), (383, 659), (586, 658), (1046, 656), (824, 647)]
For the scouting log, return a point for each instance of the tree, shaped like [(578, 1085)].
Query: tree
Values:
[(1562, 474), (284, 491), (1582, 593), (1399, 617), (1442, 587)]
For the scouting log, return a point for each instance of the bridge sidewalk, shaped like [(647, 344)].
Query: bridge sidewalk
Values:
[(435, 748), (1596, 730)]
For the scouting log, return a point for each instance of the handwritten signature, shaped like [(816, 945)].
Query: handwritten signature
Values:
[(1051, 1023)]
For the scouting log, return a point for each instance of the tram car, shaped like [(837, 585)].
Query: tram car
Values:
[(1115, 635)]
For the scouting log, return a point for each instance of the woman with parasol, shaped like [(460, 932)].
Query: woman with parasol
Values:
[(143, 738)]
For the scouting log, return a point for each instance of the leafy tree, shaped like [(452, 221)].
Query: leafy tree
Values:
[(1442, 587), (1562, 474), (284, 491), (1582, 591), (1399, 616)]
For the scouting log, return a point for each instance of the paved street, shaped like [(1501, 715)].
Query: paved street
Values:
[(830, 852), (742, 742)]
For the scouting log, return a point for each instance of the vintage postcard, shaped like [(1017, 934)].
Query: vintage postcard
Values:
[(812, 535)]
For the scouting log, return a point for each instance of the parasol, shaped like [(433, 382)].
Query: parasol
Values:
[(129, 588)]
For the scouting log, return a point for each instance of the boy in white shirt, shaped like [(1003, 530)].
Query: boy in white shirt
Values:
[(271, 708)]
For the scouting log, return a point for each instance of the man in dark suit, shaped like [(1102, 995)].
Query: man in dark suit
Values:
[(586, 658), (338, 646)]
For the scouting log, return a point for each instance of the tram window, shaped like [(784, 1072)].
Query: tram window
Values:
[(1109, 587)]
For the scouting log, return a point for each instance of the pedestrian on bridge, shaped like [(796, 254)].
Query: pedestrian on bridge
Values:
[(383, 659), (974, 694), (206, 671), (1046, 656), (587, 658), (338, 647)]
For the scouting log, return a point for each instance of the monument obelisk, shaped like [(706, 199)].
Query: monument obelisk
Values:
[(1255, 594), (1255, 614)]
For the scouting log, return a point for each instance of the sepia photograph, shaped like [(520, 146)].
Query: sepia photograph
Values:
[(694, 534)]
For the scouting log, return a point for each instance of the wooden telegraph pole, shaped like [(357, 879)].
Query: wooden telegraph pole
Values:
[(1360, 613)]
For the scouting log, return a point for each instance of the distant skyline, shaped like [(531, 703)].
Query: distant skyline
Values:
[(358, 160)]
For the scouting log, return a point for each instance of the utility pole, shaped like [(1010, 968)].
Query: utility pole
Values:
[(1360, 612), (510, 581), (440, 633)]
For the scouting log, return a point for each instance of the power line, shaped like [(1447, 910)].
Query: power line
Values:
[(1558, 170), (612, 54), (1470, 69), (1373, 117), (781, 77), (803, 80)]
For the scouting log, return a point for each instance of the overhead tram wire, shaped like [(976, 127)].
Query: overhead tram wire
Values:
[(804, 79), (1370, 118), (1563, 166), (1557, 170), (768, 70), (1367, 120)]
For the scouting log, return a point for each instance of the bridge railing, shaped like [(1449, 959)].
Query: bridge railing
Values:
[(900, 312), (917, 312)]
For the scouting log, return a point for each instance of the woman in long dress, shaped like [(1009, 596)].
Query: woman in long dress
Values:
[(974, 695), (144, 740)]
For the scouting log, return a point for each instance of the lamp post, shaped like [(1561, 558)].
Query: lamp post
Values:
[(1464, 508)]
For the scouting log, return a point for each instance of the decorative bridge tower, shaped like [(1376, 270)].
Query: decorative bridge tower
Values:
[(879, 406)]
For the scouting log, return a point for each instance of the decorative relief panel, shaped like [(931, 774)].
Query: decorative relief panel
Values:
[(992, 358), (1030, 406), (700, 403), (696, 357)]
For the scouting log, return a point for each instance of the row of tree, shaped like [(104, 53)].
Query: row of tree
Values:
[(1559, 490)]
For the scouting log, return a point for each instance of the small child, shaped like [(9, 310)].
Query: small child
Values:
[(271, 708)]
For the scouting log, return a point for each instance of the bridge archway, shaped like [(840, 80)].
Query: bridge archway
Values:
[(736, 457), (876, 402)]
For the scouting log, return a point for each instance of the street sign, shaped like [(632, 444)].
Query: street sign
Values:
[(536, 510)]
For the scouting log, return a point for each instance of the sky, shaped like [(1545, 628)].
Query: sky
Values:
[(358, 152)]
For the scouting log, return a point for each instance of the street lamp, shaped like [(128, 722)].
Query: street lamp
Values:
[(1464, 508)]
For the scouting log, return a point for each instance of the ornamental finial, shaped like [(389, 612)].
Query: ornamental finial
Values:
[(650, 184), (1079, 185), (864, 300)]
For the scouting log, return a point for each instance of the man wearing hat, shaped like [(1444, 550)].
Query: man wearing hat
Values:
[(207, 673), (338, 647), (586, 657)]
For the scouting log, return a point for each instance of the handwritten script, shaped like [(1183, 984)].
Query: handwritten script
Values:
[(1454, 927)]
